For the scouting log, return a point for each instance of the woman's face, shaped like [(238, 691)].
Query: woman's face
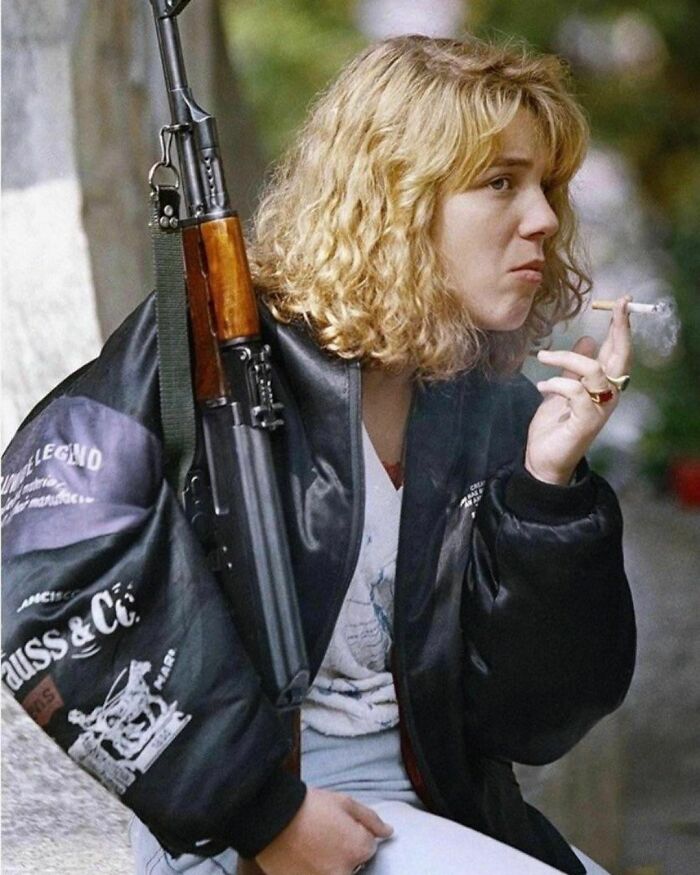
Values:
[(487, 234)]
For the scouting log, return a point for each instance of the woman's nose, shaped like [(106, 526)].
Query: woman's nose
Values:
[(539, 219)]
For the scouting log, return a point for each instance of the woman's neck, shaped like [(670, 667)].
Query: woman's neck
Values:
[(386, 402)]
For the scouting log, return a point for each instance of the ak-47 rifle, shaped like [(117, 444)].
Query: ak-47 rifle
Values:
[(232, 499)]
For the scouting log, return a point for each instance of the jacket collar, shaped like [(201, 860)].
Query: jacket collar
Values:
[(320, 460)]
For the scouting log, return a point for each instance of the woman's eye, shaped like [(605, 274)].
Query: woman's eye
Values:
[(502, 183)]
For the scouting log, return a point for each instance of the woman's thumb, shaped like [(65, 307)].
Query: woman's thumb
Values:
[(369, 819)]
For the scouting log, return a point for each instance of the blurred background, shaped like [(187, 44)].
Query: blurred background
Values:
[(82, 103)]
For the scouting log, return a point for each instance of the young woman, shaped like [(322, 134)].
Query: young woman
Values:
[(459, 567)]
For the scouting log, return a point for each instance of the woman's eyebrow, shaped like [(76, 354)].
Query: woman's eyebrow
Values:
[(511, 161)]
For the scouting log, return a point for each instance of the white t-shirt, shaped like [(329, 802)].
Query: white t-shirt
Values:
[(353, 693)]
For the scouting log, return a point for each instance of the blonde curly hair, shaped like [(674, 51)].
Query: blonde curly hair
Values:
[(343, 238)]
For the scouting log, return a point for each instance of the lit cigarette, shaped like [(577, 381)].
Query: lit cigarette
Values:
[(631, 307)]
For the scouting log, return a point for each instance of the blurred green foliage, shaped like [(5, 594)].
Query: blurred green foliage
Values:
[(285, 51), (676, 388)]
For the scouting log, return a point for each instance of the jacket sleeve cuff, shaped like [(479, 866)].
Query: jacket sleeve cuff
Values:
[(265, 816), (534, 500)]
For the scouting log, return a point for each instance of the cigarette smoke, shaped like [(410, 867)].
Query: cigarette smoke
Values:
[(655, 336)]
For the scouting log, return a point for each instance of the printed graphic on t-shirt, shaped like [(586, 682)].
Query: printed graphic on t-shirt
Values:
[(353, 693)]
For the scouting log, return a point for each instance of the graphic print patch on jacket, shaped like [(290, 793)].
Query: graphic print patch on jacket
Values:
[(77, 471)]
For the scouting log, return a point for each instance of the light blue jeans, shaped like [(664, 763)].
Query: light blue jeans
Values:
[(369, 769)]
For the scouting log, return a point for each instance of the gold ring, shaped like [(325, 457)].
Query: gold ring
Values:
[(601, 397), (620, 383)]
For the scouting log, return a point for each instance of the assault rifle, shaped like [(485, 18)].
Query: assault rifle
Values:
[(231, 498)]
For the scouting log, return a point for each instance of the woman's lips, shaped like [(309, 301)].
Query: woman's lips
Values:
[(528, 274)]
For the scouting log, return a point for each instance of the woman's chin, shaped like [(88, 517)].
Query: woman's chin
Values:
[(508, 322), (516, 316), (510, 315)]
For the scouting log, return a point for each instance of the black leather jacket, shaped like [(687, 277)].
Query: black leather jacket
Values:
[(513, 623)]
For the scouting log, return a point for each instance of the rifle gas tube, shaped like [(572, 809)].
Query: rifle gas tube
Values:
[(233, 493)]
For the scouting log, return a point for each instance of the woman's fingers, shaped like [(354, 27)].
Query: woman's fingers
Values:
[(574, 390), (614, 358), (619, 358), (616, 351), (576, 366), (369, 819), (584, 346)]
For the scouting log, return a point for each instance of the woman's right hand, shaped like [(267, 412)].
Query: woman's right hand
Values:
[(331, 834)]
